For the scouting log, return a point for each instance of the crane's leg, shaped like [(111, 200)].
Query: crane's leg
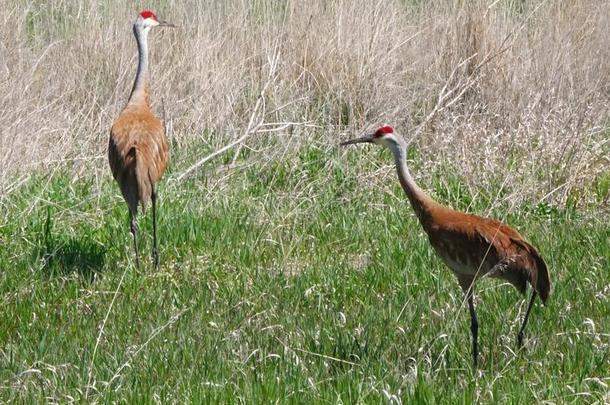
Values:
[(467, 284), (527, 314), (474, 328), (155, 250), (134, 231)]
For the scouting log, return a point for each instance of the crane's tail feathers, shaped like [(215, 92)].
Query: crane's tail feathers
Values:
[(534, 269), (543, 281), (142, 178), (128, 182), (152, 183)]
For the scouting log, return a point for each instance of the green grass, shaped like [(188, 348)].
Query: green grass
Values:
[(291, 281)]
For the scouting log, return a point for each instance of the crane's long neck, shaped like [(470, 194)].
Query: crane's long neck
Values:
[(420, 201), (139, 93)]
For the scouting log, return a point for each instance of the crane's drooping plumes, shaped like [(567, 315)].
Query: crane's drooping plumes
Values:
[(138, 149), (471, 246)]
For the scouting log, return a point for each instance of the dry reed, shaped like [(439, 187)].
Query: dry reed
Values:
[(508, 91)]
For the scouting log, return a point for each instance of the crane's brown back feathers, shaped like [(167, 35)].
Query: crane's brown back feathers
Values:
[(474, 246), (138, 154)]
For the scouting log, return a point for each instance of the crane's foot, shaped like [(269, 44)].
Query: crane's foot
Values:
[(155, 258)]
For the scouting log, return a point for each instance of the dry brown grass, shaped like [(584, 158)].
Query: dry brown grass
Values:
[(507, 91)]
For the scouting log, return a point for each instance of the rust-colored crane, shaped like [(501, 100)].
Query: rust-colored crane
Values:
[(137, 149), (471, 246)]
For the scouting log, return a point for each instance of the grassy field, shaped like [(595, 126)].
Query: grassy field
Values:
[(293, 270), (296, 282)]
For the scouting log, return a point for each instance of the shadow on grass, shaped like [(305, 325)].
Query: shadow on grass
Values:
[(74, 256), (70, 255)]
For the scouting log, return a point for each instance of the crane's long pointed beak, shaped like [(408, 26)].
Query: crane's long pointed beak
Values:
[(364, 139), (166, 24)]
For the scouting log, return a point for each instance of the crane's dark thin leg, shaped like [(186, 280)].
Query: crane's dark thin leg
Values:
[(474, 328), (134, 231), (155, 250), (527, 314)]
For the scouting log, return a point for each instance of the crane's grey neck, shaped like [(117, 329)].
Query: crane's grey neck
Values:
[(419, 200), (139, 93)]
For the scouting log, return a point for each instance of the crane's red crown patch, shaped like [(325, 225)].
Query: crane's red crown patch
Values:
[(386, 129), (148, 14)]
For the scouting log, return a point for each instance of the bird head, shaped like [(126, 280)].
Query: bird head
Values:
[(147, 20), (384, 135)]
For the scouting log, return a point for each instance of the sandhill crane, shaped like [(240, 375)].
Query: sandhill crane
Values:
[(137, 149), (471, 246)]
